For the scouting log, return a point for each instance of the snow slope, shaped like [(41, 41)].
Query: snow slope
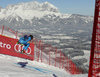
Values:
[(10, 68)]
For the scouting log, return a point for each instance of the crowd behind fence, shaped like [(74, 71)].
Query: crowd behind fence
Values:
[(46, 53)]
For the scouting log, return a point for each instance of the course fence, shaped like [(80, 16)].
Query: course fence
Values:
[(94, 65), (46, 53)]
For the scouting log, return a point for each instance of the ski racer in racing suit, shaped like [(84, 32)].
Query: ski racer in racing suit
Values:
[(25, 40)]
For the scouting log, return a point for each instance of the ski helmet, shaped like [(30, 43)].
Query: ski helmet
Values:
[(31, 36)]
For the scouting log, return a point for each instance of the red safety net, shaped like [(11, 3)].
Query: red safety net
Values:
[(94, 67), (50, 55)]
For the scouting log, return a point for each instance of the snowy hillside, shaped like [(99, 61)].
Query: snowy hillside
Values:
[(9, 67)]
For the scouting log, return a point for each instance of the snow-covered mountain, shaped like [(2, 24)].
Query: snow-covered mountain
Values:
[(28, 10), (33, 11)]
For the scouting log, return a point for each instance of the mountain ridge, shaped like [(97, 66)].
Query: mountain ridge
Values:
[(29, 10)]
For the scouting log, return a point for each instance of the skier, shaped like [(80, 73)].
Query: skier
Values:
[(25, 41)]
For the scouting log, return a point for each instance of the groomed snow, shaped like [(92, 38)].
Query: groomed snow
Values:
[(9, 68)]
